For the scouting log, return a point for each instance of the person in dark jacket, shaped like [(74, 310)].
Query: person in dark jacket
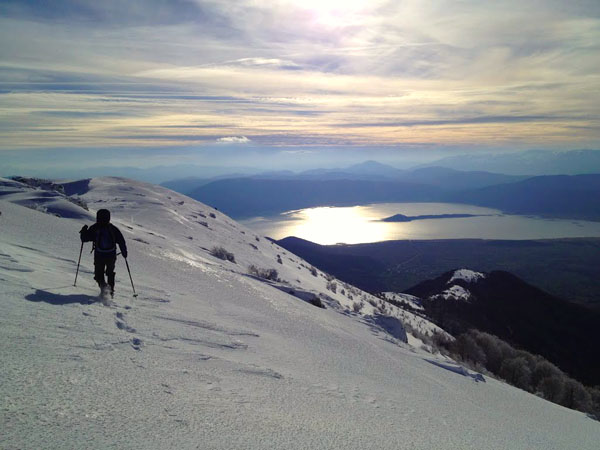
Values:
[(105, 237)]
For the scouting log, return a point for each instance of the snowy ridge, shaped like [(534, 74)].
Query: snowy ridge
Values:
[(209, 356), (413, 316), (412, 301), (42, 198), (467, 275)]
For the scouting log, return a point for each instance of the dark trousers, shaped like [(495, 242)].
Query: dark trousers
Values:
[(105, 264)]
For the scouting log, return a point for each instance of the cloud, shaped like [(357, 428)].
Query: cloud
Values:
[(273, 63), (282, 72), (233, 140), (461, 121), (298, 152)]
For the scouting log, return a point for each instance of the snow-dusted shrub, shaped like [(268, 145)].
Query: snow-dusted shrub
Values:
[(551, 388), (313, 271), (576, 396), (37, 207), (316, 301), (212, 215), (41, 183), (522, 369), (223, 254), (267, 274), (493, 348), (595, 393), (329, 277), (429, 340), (79, 202), (516, 371), (279, 259), (332, 286), (544, 369), (357, 306), (468, 349), (441, 342)]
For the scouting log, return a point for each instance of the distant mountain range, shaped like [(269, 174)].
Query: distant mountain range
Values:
[(504, 305), (574, 196), (561, 196), (368, 182), (247, 197), (369, 170), (532, 162)]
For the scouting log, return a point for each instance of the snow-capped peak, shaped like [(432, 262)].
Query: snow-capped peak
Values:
[(467, 275)]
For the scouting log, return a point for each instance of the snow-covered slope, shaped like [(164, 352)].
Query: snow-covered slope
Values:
[(210, 357)]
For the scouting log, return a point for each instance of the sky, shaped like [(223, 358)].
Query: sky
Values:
[(292, 81)]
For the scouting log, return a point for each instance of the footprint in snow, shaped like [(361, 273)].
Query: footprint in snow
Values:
[(122, 324), (136, 343)]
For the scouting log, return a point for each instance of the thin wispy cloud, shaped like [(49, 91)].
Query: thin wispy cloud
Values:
[(233, 140), (287, 73)]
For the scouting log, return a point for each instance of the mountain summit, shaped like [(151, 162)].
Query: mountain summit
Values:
[(374, 168)]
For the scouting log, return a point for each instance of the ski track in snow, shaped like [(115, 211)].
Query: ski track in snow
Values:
[(207, 357)]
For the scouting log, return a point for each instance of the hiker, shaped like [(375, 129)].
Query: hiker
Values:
[(105, 237)]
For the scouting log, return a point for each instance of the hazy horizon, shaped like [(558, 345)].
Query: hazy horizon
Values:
[(158, 169)]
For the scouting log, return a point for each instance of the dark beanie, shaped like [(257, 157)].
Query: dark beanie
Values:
[(103, 216)]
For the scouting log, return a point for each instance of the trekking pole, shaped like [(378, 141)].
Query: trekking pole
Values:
[(131, 279), (78, 262)]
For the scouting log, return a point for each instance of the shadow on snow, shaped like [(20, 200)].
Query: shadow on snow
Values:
[(458, 369), (60, 299)]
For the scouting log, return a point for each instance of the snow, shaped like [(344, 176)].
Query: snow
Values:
[(410, 300), (210, 357), (455, 292), (467, 275), (41, 200), (458, 369)]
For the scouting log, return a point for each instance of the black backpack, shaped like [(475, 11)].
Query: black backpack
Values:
[(105, 239)]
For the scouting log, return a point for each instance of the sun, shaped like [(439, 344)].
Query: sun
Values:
[(334, 13)]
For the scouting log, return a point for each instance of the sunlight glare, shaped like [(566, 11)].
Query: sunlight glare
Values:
[(336, 225), (334, 13)]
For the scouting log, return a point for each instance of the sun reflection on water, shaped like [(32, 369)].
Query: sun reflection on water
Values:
[(349, 225), (357, 224)]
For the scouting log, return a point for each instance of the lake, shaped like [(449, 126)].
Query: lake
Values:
[(360, 224)]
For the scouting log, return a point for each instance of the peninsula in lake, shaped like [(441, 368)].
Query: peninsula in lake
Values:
[(403, 218)]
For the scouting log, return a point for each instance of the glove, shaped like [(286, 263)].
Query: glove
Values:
[(82, 233), (124, 253)]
